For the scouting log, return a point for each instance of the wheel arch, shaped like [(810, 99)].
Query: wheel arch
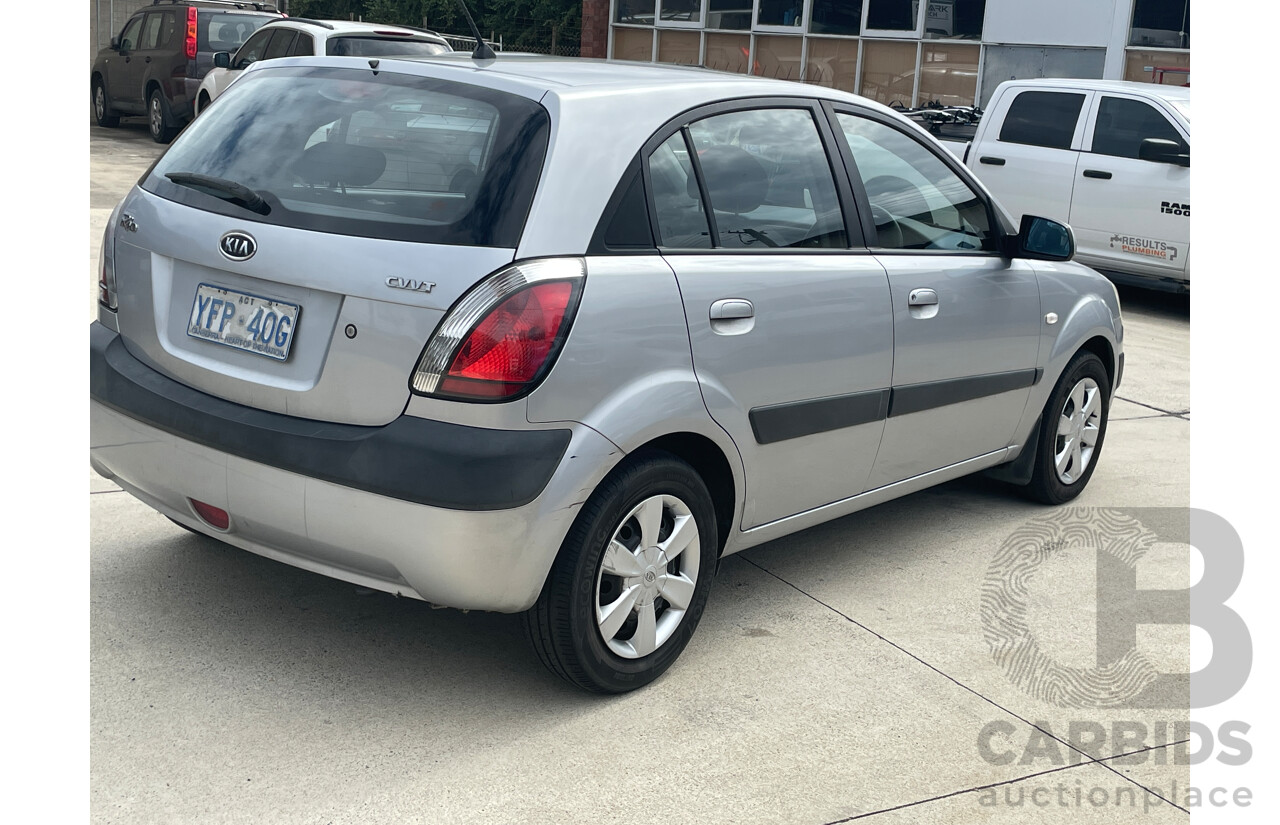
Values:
[(712, 465)]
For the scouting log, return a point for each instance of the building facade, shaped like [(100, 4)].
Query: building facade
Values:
[(904, 52)]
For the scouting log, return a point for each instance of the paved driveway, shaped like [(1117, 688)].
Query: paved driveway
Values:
[(839, 673)]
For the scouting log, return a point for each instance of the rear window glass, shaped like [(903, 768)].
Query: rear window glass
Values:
[(1042, 119), (351, 152), (226, 32), (382, 47)]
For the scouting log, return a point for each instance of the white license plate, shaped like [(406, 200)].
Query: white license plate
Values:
[(248, 322)]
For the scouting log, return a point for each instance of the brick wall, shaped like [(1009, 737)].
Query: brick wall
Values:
[(595, 28)]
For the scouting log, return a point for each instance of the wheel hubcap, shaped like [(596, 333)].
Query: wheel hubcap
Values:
[(157, 116), (647, 576), (99, 102), (1078, 427)]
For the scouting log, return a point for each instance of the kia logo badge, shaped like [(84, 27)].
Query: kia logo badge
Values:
[(238, 246)]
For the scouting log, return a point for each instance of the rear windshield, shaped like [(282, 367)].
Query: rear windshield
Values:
[(226, 32), (353, 152), (382, 47)]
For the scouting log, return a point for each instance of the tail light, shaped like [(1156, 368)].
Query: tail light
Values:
[(498, 342), (191, 32), (107, 263)]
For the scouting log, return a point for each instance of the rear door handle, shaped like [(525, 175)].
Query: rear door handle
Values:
[(1097, 173), (731, 309), (922, 298), (990, 161)]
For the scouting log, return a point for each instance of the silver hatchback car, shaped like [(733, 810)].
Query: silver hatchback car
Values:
[(553, 337)]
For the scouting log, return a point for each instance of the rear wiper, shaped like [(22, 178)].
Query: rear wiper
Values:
[(228, 190)]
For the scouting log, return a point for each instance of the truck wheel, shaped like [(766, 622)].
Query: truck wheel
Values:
[(101, 108), (631, 580), (1072, 430)]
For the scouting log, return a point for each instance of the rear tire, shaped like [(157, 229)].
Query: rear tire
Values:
[(202, 103), (158, 121), (631, 580), (101, 106), (1072, 430)]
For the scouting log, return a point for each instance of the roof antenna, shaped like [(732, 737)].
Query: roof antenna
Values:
[(482, 52)]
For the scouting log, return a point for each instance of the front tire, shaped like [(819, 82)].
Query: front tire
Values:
[(631, 580), (1072, 429), (158, 118), (101, 106)]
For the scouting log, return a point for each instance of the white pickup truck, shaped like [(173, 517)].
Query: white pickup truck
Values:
[(1111, 159)]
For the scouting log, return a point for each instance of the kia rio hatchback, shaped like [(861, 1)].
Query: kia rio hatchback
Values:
[(553, 337)]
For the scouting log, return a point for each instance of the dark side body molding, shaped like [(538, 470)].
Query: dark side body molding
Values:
[(781, 422), (413, 459)]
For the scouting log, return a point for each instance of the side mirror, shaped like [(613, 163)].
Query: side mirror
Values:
[(1160, 150), (222, 60), (115, 43), (1041, 239)]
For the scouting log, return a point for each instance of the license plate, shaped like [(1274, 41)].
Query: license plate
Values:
[(248, 322)]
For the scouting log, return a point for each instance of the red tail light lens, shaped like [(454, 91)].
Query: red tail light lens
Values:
[(191, 32), (509, 348), (498, 341)]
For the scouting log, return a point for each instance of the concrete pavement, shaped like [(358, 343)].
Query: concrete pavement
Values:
[(837, 673)]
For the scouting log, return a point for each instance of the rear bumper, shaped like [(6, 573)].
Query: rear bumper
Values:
[(419, 508)]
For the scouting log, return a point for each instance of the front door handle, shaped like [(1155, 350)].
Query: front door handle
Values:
[(922, 298), (1096, 173), (991, 161), (732, 309)]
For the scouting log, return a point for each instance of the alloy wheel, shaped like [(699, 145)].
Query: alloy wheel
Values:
[(1078, 428)]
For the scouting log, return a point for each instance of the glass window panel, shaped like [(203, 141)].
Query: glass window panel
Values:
[(778, 56), (917, 202), (151, 31), (955, 18), (833, 63), (280, 44), (681, 222), (1123, 124), (729, 14), (780, 13), (680, 11), (635, 11), (728, 52), (632, 44), (836, 17), (948, 74), (678, 47), (888, 71), (768, 179), (1042, 119), (1161, 23), (129, 37), (893, 15), (1137, 61)]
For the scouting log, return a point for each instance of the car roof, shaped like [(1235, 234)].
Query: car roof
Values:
[(1152, 89), (335, 28)]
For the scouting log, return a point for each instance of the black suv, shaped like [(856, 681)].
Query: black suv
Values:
[(155, 64)]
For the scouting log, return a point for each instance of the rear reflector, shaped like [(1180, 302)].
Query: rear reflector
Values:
[(215, 517)]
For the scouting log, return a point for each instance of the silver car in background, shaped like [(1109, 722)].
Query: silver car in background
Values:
[(554, 336)]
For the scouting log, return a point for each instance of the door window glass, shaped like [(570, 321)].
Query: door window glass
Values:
[(917, 202), (681, 222), (279, 45), (252, 50), (1042, 119), (151, 31), (769, 180), (1123, 124), (129, 38), (303, 46)]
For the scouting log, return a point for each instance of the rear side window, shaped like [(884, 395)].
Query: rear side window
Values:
[(304, 46), (374, 155), (151, 31), (1124, 123), (280, 44), (1042, 119), (681, 222), (381, 47), (218, 31)]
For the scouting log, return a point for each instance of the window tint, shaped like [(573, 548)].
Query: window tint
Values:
[(252, 50), (169, 32), (353, 153), (1042, 119), (1123, 124), (768, 179), (280, 44), (129, 38), (219, 31), (917, 202), (304, 46), (151, 31), (681, 222)]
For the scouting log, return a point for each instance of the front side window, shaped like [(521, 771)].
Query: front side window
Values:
[(253, 49), (917, 201), (129, 37), (768, 180), (1123, 124), (353, 153), (279, 45), (303, 46), (1042, 119)]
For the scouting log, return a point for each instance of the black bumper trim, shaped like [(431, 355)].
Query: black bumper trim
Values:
[(413, 459)]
